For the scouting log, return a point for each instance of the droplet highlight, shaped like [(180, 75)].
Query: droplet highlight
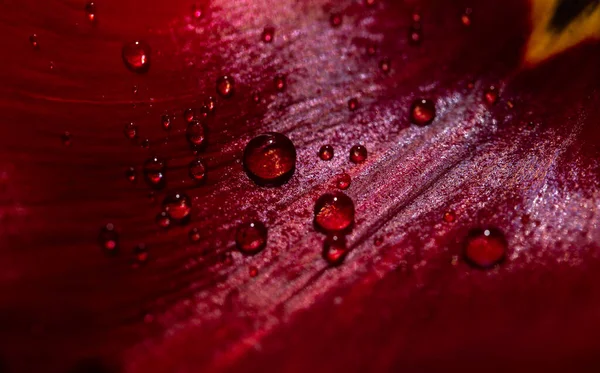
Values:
[(90, 11), (280, 82), (352, 104)]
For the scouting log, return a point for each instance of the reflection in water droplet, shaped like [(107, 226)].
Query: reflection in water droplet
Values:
[(491, 95), (178, 206), (334, 212), (154, 172), (280, 82), (326, 152), (136, 56), (194, 235), (225, 86), (251, 237), (484, 248), (422, 111), (449, 216), (353, 104), (358, 154), (109, 239), (268, 34), (343, 181), (90, 11), (335, 20), (130, 174), (334, 249), (197, 170), (270, 159), (163, 220), (130, 131)]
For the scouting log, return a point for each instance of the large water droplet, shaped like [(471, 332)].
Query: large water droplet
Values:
[(484, 248), (225, 86), (136, 56), (196, 134), (90, 11), (334, 249), (130, 131), (154, 172), (334, 212), (178, 205), (422, 111), (197, 170), (326, 152), (251, 237), (358, 154), (270, 159), (343, 181), (109, 239), (268, 34)]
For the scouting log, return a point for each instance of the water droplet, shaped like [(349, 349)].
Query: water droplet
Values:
[(90, 11), (343, 181), (256, 96), (225, 86), (66, 138), (416, 17), (131, 174), (251, 237), (326, 152), (280, 82), (163, 220), (385, 65), (253, 271), (136, 56), (130, 131), (268, 34), (484, 248), (178, 206), (270, 159), (510, 105), (415, 34), (33, 39), (196, 12), (378, 241), (154, 172), (353, 104), (109, 239), (358, 154), (370, 3), (51, 65), (209, 105), (371, 50), (334, 212), (422, 111), (197, 170), (491, 95), (189, 115), (134, 89), (449, 216), (145, 143), (195, 134), (140, 255), (165, 120), (194, 235), (466, 17), (334, 249), (335, 20)]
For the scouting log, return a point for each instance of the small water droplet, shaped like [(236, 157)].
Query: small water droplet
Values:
[(334, 212), (335, 20), (491, 95), (90, 11), (256, 96), (165, 120), (280, 82), (358, 154), (51, 65), (195, 134), (131, 174), (510, 105), (268, 34), (422, 111), (353, 104), (326, 152), (225, 86), (109, 239), (371, 50), (163, 220), (140, 255), (209, 105), (370, 3), (415, 34), (178, 206), (253, 271), (197, 170), (251, 237), (385, 65), (270, 159), (145, 143), (194, 235), (130, 131), (484, 248), (134, 89), (189, 115), (154, 172), (416, 17), (466, 17), (378, 241), (196, 12), (66, 138), (33, 39), (449, 216), (343, 181), (136, 56), (334, 249)]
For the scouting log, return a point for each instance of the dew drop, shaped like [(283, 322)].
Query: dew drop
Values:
[(251, 237), (225, 86), (195, 134), (145, 143), (268, 34), (194, 235), (378, 241), (335, 20), (343, 181), (416, 17), (140, 255), (255, 97), (163, 220), (134, 89), (370, 3), (130, 131), (131, 174), (189, 115), (422, 111), (353, 104), (371, 50), (334, 249), (510, 105), (109, 239), (491, 95), (90, 11), (280, 82), (165, 120), (449, 216), (415, 34), (484, 248), (326, 152), (33, 39), (178, 206), (197, 170), (466, 17), (196, 12), (136, 56), (385, 65), (66, 138), (154, 172), (358, 154), (253, 271), (209, 105), (334, 212), (270, 159)]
